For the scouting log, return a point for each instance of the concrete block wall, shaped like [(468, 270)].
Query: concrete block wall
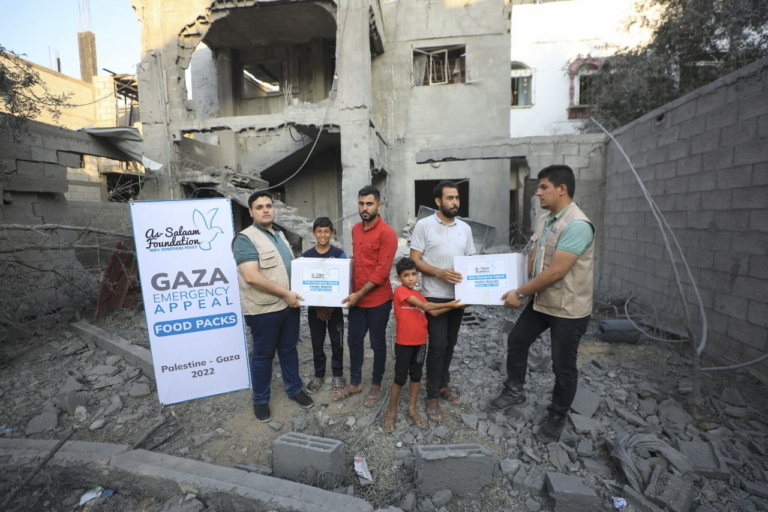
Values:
[(704, 159)]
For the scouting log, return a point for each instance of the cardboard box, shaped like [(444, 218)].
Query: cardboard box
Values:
[(489, 276), (321, 281)]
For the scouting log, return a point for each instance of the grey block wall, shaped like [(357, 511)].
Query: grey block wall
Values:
[(704, 159)]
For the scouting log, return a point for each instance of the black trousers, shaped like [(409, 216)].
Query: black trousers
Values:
[(335, 328), (443, 335), (566, 334)]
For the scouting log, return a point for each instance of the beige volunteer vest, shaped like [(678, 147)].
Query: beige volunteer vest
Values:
[(570, 297), (271, 266)]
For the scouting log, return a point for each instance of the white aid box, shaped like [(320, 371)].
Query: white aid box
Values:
[(321, 281), (489, 276)]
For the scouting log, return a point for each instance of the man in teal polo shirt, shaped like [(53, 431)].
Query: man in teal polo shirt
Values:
[(270, 308)]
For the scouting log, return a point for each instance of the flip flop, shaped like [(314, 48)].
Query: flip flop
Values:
[(345, 393), (418, 419), (433, 409), (374, 395), (450, 396), (388, 425), (339, 383)]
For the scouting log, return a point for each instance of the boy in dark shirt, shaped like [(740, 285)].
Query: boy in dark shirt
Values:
[(410, 339), (321, 319)]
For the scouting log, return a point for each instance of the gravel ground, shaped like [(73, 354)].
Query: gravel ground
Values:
[(45, 378)]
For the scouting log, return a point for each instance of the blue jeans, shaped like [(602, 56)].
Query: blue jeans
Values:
[(565, 334), (335, 328), (272, 333), (374, 321)]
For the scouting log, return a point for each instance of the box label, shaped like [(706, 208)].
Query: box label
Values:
[(486, 275), (320, 280)]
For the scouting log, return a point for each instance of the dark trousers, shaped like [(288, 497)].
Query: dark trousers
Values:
[(335, 328), (443, 335), (272, 333), (374, 322), (565, 334)]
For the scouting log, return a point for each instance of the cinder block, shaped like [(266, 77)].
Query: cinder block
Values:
[(42, 154), (668, 490), (571, 494), (34, 184), (462, 468), (295, 456), (530, 478), (55, 171), (68, 159), (29, 168)]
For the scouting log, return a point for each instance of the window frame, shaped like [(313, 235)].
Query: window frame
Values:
[(430, 70), (518, 71)]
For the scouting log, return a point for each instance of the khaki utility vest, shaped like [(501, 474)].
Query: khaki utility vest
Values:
[(271, 266), (571, 296)]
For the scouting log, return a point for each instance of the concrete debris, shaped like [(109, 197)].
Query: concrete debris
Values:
[(631, 418), (462, 468), (103, 370), (81, 413), (470, 420), (638, 501), (530, 478), (98, 424), (532, 505), (292, 453), (668, 490), (754, 489), (733, 397), (705, 458), (139, 389), (670, 412), (571, 494), (48, 420), (299, 424), (114, 407), (736, 412), (255, 468), (584, 425), (441, 498), (585, 402)]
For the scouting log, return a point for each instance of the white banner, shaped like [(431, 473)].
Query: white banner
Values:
[(191, 297)]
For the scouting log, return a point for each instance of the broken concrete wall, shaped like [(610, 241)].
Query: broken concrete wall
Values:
[(412, 117), (35, 165), (703, 158)]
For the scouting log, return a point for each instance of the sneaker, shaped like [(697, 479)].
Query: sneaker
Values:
[(551, 428), (508, 398), (262, 413), (303, 400)]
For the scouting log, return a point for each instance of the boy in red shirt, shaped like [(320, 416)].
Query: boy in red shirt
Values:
[(410, 339)]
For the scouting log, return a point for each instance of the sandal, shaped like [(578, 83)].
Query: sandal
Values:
[(314, 385), (339, 383), (345, 393), (388, 425), (450, 396), (433, 409), (418, 419), (374, 395)]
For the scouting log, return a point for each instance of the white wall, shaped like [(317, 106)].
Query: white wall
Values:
[(547, 38)]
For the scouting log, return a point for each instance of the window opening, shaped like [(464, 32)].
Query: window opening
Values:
[(522, 86), (440, 65), (587, 85), (262, 79)]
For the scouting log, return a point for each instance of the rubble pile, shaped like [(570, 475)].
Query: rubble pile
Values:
[(630, 438)]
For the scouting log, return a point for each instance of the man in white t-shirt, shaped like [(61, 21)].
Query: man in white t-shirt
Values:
[(435, 241)]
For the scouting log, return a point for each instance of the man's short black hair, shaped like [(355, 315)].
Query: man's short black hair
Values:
[(560, 175), (405, 264), (258, 194), (437, 192), (322, 222), (370, 190)]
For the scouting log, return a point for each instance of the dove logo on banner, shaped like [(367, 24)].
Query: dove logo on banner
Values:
[(191, 298)]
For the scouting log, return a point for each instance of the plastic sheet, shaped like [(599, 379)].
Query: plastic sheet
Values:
[(622, 452)]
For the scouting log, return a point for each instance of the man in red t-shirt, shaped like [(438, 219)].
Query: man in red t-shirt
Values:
[(410, 340), (374, 244)]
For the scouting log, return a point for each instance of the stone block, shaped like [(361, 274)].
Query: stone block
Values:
[(754, 489), (670, 491), (571, 494), (585, 402), (68, 159), (30, 168), (41, 154), (55, 171), (584, 425), (462, 468), (34, 184), (530, 478), (294, 454), (597, 468), (705, 458)]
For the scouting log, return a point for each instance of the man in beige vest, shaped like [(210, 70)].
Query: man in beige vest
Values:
[(560, 264), (270, 308)]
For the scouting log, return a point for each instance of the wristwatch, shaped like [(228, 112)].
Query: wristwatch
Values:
[(520, 296)]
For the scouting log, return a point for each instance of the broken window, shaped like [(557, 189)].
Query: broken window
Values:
[(262, 79), (440, 65), (522, 85)]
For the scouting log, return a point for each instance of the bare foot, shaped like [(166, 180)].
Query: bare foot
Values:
[(417, 418), (389, 423)]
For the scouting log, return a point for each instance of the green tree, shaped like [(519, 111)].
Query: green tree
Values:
[(23, 94), (693, 43)]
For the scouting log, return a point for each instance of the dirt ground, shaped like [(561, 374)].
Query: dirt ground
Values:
[(221, 429)]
